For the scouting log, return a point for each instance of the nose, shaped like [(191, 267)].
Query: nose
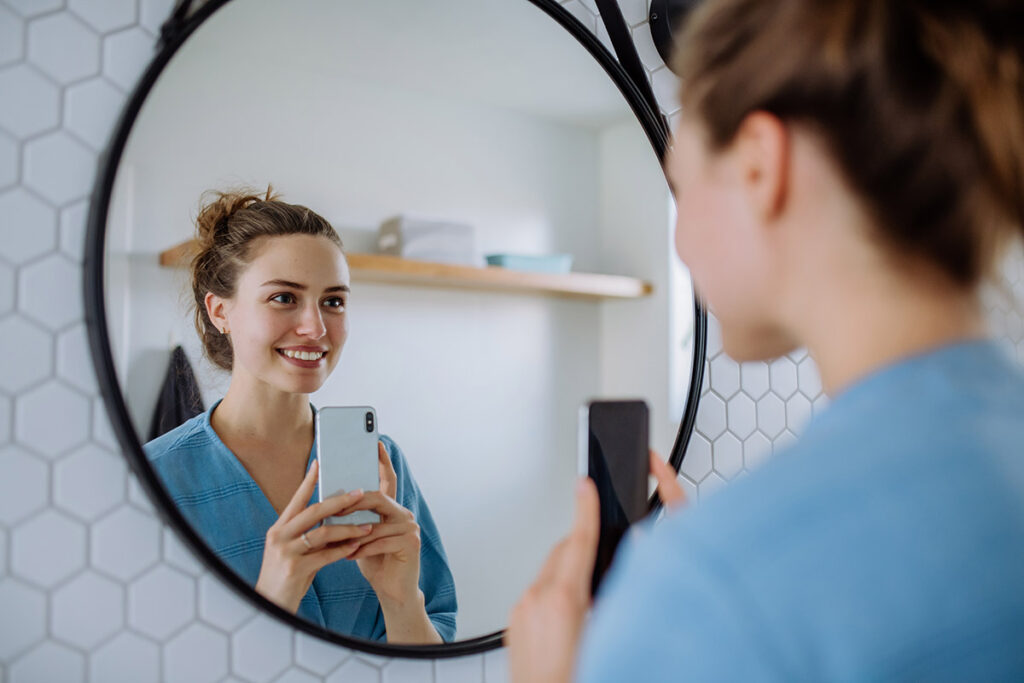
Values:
[(311, 323)]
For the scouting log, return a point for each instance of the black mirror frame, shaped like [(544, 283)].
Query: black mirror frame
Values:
[(175, 33)]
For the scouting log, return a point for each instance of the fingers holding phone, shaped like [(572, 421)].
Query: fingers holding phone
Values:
[(294, 552)]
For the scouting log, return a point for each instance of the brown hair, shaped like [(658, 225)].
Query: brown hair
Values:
[(228, 227), (919, 103)]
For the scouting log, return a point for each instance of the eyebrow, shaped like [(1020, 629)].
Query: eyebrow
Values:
[(296, 285)]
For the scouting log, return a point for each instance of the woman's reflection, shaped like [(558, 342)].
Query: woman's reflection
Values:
[(271, 286)]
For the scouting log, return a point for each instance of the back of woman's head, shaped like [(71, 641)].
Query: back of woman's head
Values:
[(920, 104), (230, 228)]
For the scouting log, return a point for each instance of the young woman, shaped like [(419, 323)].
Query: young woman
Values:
[(847, 174), (271, 286)]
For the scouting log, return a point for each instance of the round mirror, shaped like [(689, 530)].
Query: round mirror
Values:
[(429, 135)]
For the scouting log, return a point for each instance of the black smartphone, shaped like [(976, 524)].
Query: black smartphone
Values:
[(613, 452)]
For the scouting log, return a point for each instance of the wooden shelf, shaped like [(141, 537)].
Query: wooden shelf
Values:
[(395, 270)]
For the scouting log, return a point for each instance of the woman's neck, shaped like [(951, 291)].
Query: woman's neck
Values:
[(863, 326), (253, 411)]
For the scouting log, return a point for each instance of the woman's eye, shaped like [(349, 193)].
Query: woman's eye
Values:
[(335, 302), (283, 298)]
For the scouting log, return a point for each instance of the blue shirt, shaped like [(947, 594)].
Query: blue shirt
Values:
[(887, 544), (229, 511)]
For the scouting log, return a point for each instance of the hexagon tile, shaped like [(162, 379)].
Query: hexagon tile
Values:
[(91, 584)]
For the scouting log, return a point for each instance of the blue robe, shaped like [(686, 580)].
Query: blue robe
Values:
[(229, 511)]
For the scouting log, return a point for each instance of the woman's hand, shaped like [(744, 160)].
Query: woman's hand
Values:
[(289, 564), (389, 557), (671, 493), (544, 628)]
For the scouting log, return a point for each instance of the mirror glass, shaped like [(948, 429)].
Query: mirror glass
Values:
[(480, 113)]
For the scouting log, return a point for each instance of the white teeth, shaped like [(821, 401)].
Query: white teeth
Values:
[(303, 355)]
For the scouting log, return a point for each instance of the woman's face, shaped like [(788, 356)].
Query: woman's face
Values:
[(720, 236), (287, 320)]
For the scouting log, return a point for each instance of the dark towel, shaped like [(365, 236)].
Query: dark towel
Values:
[(179, 398)]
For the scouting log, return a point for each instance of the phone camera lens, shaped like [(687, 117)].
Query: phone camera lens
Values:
[(369, 422)]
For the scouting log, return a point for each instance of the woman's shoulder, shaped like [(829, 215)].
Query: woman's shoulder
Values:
[(189, 436)]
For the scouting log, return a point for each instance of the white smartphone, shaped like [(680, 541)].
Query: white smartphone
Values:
[(346, 447), (613, 452)]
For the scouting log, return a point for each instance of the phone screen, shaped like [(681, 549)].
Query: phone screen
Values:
[(347, 450), (617, 461)]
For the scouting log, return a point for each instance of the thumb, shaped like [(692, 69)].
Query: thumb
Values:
[(671, 493)]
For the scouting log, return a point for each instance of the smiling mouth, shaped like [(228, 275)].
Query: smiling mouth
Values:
[(302, 355)]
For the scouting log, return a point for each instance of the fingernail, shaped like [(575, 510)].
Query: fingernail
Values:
[(356, 492), (581, 484), (365, 528)]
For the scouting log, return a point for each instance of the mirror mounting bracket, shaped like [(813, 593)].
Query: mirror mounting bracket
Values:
[(174, 25)]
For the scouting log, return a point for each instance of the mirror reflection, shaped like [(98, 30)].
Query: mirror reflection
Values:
[(438, 133)]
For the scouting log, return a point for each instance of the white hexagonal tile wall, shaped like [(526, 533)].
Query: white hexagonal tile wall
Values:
[(742, 415), (24, 483), (461, 670), (496, 666), (90, 110), (219, 605), (9, 160), (36, 410), (771, 415), (153, 13), (261, 649), (725, 376), (63, 47), (783, 377), (178, 556), (196, 655), (296, 676), (6, 419), (666, 86), (59, 167), (37, 106), (355, 670), (102, 431), (33, 8), (408, 671), (6, 290), (584, 15), (29, 228), (32, 348), (17, 635), (711, 416), (125, 543), (128, 658), (74, 365), (808, 378), (89, 482), (756, 449), (104, 15), (47, 291), (645, 48), (819, 404), (697, 461), (634, 11), (318, 656), (754, 379), (72, 230), (12, 41), (727, 452), (48, 662), (126, 55), (138, 496), (161, 602), (711, 484), (47, 549), (798, 412), (87, 610)]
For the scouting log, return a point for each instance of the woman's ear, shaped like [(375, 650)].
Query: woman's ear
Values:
[(762, 150), (215, 306)]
